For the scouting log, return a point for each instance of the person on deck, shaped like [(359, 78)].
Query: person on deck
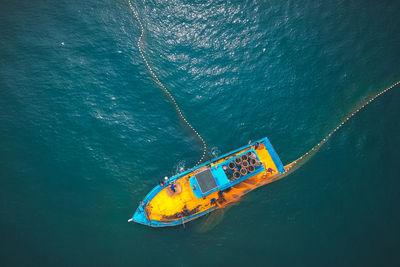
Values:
[(227, 173), (213, 201), (173, 187)]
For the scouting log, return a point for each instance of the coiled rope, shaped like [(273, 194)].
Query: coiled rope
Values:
[(157, 80), (313, 150)]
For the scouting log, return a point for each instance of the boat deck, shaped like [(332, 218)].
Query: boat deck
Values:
[(179, 206)]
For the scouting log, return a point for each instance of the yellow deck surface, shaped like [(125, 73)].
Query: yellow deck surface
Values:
[(164, 208)]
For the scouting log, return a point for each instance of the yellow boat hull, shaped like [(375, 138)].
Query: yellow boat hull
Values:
[(163, 207)]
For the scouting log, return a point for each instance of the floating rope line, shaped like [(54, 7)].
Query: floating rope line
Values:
[(157, 80), (313, 150)]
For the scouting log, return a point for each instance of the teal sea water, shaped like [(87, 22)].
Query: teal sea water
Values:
[(85, 133)]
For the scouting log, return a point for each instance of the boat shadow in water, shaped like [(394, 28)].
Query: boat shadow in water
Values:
[(213, 219)]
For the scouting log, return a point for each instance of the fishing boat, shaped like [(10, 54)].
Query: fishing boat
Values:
[(210, 186)]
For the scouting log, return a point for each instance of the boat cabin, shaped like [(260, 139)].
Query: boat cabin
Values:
[(224, 175)]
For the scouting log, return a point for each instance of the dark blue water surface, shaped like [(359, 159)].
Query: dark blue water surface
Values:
[(85, 133)]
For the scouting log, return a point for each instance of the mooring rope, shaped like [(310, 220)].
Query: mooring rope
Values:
[(348, 117), (157, 80)]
